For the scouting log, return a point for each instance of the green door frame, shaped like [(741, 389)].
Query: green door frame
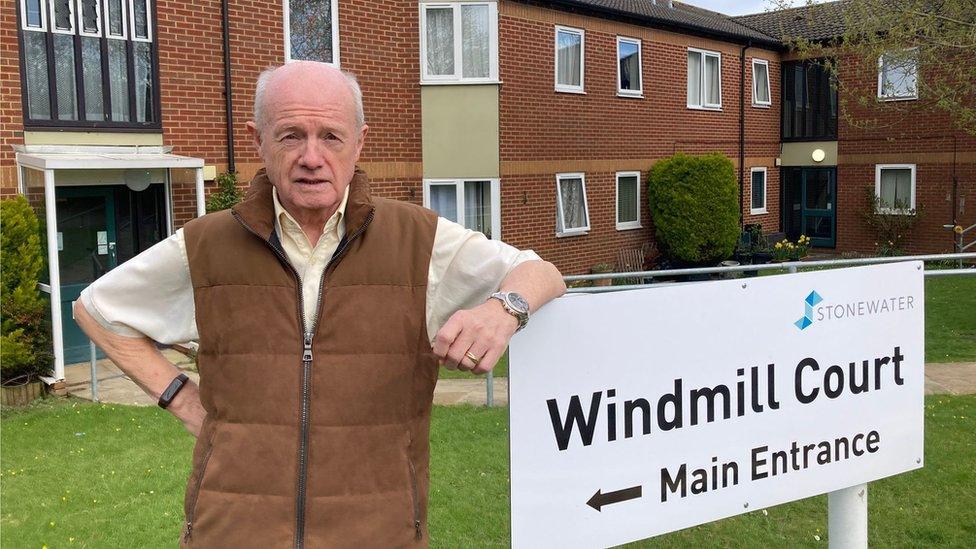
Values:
[(830, 211), (76, 348)]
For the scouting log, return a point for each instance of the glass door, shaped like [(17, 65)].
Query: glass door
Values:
[(809, 196), (86, 251)]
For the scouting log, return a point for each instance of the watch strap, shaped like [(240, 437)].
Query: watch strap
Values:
[(521, 317), (172, 390)]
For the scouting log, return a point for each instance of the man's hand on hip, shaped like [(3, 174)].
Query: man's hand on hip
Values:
[(482, 332)]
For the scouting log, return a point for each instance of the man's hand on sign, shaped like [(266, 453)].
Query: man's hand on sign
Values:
[(482, 332)]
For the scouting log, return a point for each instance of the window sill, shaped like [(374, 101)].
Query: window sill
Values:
[(697, 108), (630, 95), (458, 82), (577, 91), (762, 105), (572, 233), (889, 211), (886, 98), (758, 212), (628, 226)]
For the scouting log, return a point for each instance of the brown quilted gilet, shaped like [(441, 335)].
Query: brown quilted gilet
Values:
[(315, 439)]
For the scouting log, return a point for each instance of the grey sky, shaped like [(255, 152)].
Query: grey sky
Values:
[(735, 7)]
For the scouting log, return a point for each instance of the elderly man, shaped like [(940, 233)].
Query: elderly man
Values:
[(322, 313)]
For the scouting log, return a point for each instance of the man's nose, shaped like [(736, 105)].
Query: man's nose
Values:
[(313, 155)]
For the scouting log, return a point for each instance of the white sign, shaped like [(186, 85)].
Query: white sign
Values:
[(643, 412)]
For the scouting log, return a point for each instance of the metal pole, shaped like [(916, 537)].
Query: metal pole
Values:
[(847, 518), (490, 389), (54, 272), (94, 371)]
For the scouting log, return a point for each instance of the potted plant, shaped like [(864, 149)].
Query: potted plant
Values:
[(602, 268), (25, 341)]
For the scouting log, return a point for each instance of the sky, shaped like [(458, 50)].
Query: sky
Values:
[(735, 7)]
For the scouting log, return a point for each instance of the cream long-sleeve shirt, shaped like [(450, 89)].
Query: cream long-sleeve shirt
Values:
[(151, 294)]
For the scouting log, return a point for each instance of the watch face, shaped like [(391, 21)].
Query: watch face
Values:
[(518, 302)]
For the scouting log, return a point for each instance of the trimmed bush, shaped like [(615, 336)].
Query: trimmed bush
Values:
[(694, 202), (25, 340), (227, 194)]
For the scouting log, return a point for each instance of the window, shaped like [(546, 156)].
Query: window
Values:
[(459, 42), (89, 63), (758, 191), (474, 203), (311, 30), (572, 213), (704, 79), (628, 200), (760, 83), (809, 102), (894, 185), (629, 67), (898, 75), (569, 60)]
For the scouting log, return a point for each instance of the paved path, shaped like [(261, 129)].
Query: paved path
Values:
[(954, 379)]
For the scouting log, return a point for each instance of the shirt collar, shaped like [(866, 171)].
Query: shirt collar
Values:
[(284, 219)]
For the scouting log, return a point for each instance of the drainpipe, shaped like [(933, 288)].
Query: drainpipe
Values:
[(228, 100), (742, 131)]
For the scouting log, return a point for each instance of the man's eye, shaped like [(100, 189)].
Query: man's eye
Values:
[(331, 137), (290, 137)]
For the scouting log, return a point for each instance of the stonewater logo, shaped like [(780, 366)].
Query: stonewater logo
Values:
[(815, 309), (812, 300)]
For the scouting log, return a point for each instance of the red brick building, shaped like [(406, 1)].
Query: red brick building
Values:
[(532, 121)]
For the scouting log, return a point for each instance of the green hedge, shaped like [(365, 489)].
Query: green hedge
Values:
[(25, 341), (227, 195), (694, 202)]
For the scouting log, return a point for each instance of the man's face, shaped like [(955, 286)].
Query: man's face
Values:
[(309, 141)]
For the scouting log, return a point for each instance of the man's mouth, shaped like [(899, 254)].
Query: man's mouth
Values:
[(304, 181)]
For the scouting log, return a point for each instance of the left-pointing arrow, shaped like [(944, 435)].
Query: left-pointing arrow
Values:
[(600, 499)]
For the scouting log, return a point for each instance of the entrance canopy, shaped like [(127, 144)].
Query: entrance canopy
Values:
[(42, 168)]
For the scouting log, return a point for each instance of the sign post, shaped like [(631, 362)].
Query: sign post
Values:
[(633, 414)]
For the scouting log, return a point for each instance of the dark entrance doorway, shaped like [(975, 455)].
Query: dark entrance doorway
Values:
[(100, 227), (809, 204)]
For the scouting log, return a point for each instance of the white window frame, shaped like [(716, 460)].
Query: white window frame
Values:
[(101, 17), (755, 101), (763, 210), (881, 93), (286, 12), (457, 77), (878, 168), (702, 105), (23, 17), (639, 92), (458, 184), (54, 26), (560, 221), (125, 21), (625, 225), (565, 88), (149, 22)]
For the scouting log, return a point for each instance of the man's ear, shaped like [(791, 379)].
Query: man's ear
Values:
[(362, 140), (252, 129)]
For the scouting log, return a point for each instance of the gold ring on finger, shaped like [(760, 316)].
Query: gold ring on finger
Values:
[(473, 358)]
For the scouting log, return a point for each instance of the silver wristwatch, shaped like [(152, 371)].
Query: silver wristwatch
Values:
[(515, 305)]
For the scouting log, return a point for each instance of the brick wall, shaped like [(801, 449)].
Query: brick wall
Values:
[(903, 132), (11, 117), (544, 132)]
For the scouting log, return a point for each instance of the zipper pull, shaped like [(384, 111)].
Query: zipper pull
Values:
[(416, 525), (307, 355)]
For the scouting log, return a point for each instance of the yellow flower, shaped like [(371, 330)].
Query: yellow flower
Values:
[(779, 245)]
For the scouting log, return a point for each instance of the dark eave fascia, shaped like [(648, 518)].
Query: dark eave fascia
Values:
[(664, 24)]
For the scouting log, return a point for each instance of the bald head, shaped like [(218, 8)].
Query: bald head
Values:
[(300, 78)]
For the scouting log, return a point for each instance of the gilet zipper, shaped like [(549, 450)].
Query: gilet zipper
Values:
[(196, 489), (415, 500), (308, 335)]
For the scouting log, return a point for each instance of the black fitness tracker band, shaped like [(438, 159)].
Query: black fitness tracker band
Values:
[(174, 388)]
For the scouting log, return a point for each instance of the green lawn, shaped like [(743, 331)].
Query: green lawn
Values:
[(88, 475), (950, 319)]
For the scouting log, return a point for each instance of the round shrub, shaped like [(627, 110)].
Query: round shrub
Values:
[(694, 204)]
